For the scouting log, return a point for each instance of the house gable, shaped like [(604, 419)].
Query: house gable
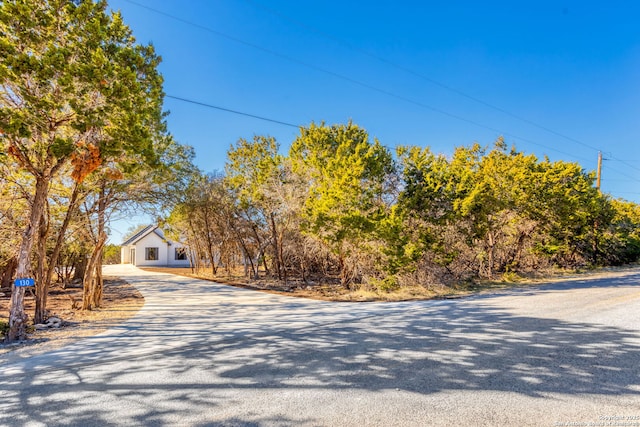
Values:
[(139, 235), (149, 247)]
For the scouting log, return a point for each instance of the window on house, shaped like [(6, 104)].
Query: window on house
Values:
[(181, 254), (151, 254)]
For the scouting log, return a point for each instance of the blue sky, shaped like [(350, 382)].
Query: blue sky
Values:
[(554, 78)]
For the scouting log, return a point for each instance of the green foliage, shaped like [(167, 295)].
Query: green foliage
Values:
[(620, 241), (72, 76), (257, 176), (251, 166), (4, 328), (510, 277), (80, 107), (340, 202), (484, 212), (111, 254), (206, 219), (386, 284), (347, 193)]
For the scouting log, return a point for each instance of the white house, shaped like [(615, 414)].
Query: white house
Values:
[(149, 247)]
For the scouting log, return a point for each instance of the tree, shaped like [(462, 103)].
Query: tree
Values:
[(13, 201), (149, 181), (204, 216), (485, 212), (621, 240), (75, 89), (111, 254), (569, 210), (347, 194), (256, 174), (493, 203)]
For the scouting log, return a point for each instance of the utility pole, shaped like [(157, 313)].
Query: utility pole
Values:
[(599, 170)]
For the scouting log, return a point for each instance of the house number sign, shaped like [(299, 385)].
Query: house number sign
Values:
[(24, 282)]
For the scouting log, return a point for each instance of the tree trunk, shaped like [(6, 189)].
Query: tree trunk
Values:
[(210, 244), (491, 243), (345, 279), (8, 271), (516, 254), (92, 286), (211, 254), (245, 253), (79, 267), (17, 316), (195, 247), (281, 256), (277, 256), (42, 287), (260, 256), (595, 248), (55, 255), (99, 283), (192, 248)]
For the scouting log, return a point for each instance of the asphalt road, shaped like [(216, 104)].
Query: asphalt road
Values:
[(201, 354)]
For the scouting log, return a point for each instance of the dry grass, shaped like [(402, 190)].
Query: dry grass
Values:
[(329, 290)]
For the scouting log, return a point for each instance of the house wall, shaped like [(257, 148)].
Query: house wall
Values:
[(151, 240), (125, 251), (171, 256), (166, 253)]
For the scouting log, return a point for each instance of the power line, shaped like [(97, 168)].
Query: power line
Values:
[(435, 82), (618, 179), (190, 101), (379, 90), (625, 162), (352, 80), (418, 74), (283, 123), (616, 171), (203, 104)]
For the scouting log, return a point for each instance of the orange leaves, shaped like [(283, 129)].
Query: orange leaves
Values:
[(13, 151), (85, 160), (114, 174)]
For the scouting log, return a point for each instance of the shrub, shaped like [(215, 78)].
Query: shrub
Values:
[(4, 328), (388, 284)]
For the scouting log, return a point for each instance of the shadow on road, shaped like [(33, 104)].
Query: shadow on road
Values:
[(165, 365)]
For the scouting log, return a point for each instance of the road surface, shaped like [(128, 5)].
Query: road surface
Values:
[(203, 354)]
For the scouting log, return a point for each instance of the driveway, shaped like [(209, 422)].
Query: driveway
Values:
[(201, 354)]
